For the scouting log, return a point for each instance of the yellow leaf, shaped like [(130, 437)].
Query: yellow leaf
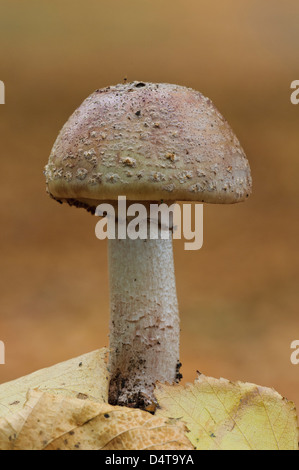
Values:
[(83, 377), (231, 416), (55, 422)]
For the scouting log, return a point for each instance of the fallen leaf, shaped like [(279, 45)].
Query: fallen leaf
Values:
[(55, 422), (83, 377), (222, 415), (65, 407)]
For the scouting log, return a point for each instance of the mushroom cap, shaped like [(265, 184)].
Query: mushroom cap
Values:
[(148, 142)]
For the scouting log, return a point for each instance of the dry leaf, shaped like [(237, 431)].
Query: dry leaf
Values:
[(54, 422), (231, 416), (83, 377), (73, 413)]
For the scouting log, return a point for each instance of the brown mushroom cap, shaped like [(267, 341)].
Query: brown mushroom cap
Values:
[(149, 142)]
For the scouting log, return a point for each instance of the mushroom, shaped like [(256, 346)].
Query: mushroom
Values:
[(148, 142)]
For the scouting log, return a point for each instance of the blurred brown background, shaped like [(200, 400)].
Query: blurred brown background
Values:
[(239, 295)]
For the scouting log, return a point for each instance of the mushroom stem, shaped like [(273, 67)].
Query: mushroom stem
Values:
[(144, 322)]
